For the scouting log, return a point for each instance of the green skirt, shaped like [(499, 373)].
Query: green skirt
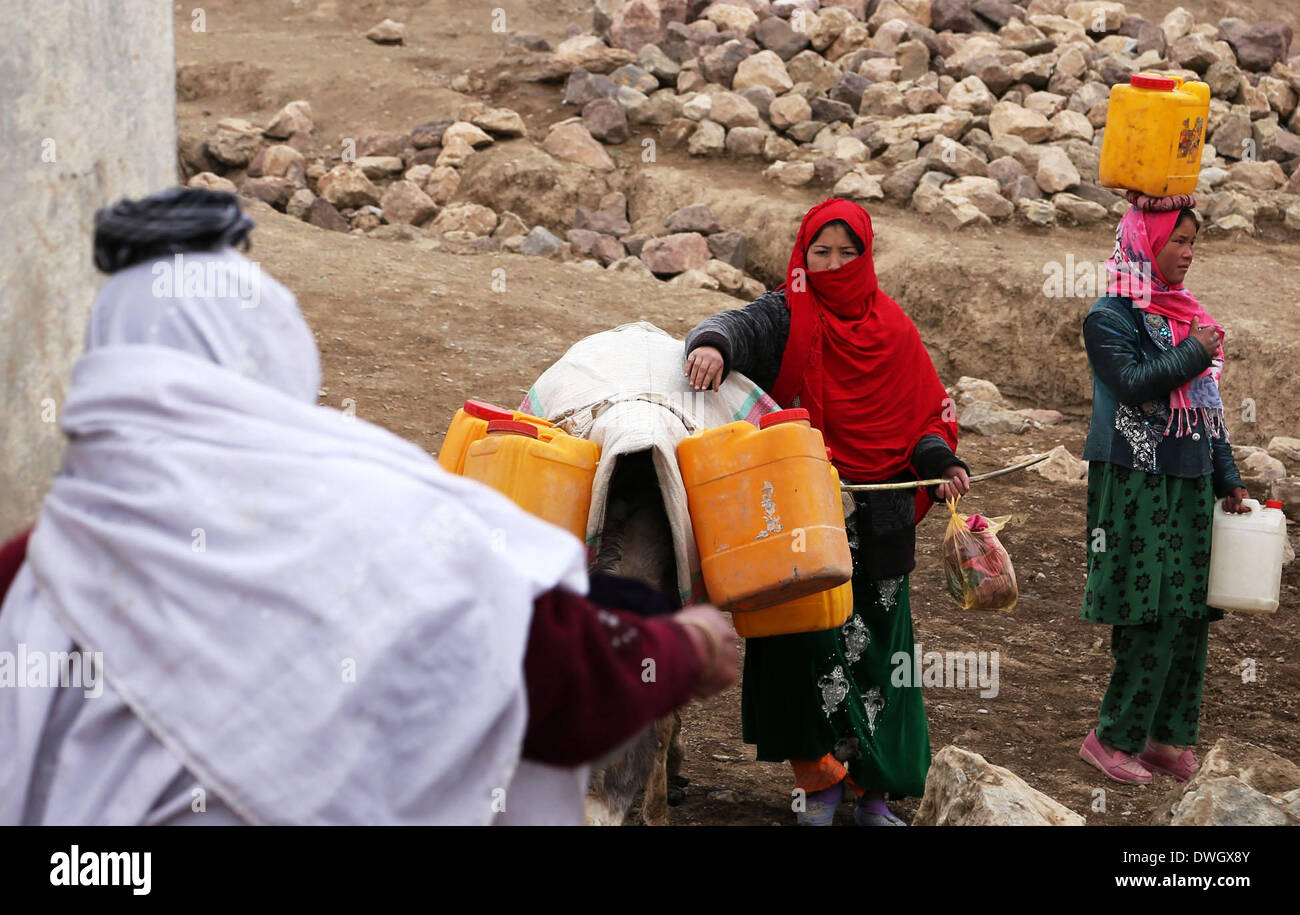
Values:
[(1148, 541), (807, 695)]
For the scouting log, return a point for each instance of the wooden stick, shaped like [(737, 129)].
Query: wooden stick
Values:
[(913, 484)]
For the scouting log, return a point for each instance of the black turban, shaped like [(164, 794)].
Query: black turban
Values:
[(175, 220)]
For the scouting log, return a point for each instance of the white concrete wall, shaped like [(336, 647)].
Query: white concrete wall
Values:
[(87, 116)]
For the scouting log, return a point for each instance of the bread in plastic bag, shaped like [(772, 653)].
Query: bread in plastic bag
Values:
[(975, 563)]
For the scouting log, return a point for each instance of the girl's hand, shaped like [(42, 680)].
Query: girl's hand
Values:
[(958, 483), (1233, 502), (715, 644), (704, 368), (1208, 336)]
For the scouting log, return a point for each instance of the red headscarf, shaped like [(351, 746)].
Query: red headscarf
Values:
[(856, 361)]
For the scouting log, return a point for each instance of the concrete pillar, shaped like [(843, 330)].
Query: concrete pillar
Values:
[(87, 116)]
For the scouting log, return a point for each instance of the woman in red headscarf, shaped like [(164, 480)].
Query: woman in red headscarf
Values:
[(831, 341)]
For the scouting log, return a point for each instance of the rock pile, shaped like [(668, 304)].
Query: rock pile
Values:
[(972, 111), (409, 185), (982, 409), (1239, 784), (1272, 472)]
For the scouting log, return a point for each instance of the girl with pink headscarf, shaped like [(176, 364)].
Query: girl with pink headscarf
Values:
[(1158, 457)]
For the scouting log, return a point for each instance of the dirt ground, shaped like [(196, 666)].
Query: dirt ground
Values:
[(407, 333)]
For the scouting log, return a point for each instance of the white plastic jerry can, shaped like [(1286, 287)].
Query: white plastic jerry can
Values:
[(1246, 558)]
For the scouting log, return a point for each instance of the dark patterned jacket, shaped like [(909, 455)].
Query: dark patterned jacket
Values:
[(1134, 368), (882, 531)]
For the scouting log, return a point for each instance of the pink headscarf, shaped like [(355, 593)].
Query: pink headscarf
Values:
[(1141, 235)]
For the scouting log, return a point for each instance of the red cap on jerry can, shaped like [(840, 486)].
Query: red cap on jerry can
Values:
[(512, 426), (782, 416), (484, 410), (1272, 503), (1147, 81)]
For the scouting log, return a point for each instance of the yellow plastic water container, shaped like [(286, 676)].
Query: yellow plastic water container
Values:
[(811, 613), (1155, 131), (1246, 558), (470, 424), (765, 506), (551, 479)]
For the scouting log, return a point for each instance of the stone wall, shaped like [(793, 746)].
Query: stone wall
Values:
[(87, 116)]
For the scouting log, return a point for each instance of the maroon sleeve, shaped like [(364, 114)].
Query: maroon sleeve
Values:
[(12, 555), (596, 677)]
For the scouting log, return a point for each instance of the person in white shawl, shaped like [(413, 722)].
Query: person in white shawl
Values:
[(301, 618)]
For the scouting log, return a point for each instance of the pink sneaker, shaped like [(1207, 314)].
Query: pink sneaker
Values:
[(1182, 768), (1118, 766)]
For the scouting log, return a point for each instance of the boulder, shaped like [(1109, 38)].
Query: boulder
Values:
[(1238, 784), (347, 186), (766, 68), (777, 35), (404, 202), (859, 184), (789, 110), (1008, 118), (273, 191), (387, 32), (465, 217), (429, 134), (299, 204), (964, 789), (1286, 450), (606, 120), (324, 215), (729, 247), (213, 182), (984, 193), (1261, 46), (791, 174), (235, 142), (295, 117), (1055, 171), (640, 22), (501, 122), (970, 94), (698, 217), (1260, 468), (380, 167), (672, 254), (583, 87), (539, 241), (954, 16), (601, 221), (1060, 466), (708, 139), (1262, 176), (969, 390), (730, 109), (719, 64), (1075, 210), (990, 419), (573, 142)]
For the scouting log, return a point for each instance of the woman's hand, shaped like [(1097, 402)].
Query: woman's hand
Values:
[(715, 643), (1233, 502), (958, 483), (704, 368), (1208, 336)]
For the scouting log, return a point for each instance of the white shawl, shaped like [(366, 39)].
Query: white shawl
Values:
[(304, 609)]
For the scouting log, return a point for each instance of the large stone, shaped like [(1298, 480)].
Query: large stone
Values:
[(970, 94), (273, 191), (501, 122), (1060, 466), (641, 22), (588, 52), (1177, 23), (729, 247), (1075, 210), (381, 167), (429, 133), (387, 32), (991, 419), (1037, 213), (606, 120), (1286, 450), (279, 161), (347, 186), (295, 117), (719, 64), (697, 217), (1239, 783), (1070, 125), (708, 139), (669, 255), (235, 142), (968, 390), (766, 68), (1282, 146), (984, 193), (1262, 176), (777, 35), (730, 109), (404, 202), (791, 174), (601, 221), (1261, 46), (947, 155), (1259, 467), (789, 110), (465, 217), (953, 16), (213, 182), (575, 143), (324, 215), (964, 789), (1193, 52), (1011, 119), (1055, 171), (539, 242), (859, 184), (1097, 17)]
